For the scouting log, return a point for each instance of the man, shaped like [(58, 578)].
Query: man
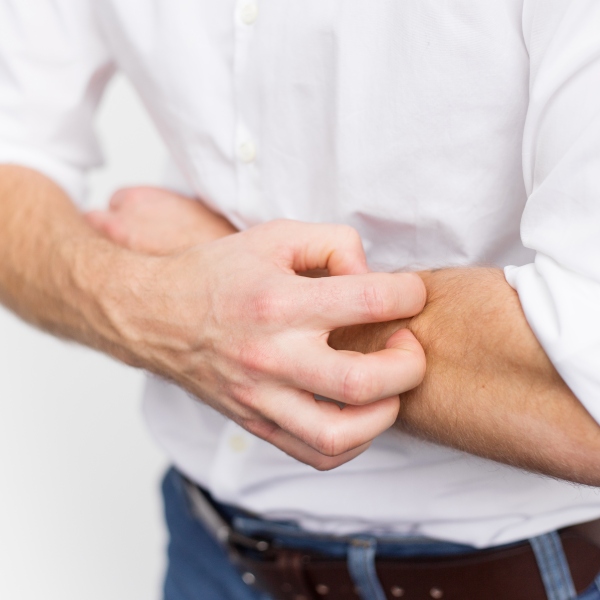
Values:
[(413, 123)]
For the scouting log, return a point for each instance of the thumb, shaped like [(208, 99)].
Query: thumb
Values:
[(408, 349)]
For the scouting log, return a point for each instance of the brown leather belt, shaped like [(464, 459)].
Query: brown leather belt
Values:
[(508, 573), (505, 574)]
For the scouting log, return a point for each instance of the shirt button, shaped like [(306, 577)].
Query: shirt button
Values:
[(238, 443), (249, 13), (247, 151)]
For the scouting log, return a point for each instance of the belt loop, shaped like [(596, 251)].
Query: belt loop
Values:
[(361, 564), (553, 566)]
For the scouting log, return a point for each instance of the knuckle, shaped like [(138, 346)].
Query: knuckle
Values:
[(351, 234), (255, 358), (326, 464), (269, 306), (358, 386), (375, 302), (331, 441), (260, 428), (247, 397)]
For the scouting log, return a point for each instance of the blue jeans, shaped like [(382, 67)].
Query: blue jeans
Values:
[(199, 569)]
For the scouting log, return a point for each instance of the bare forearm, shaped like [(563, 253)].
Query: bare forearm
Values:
[(55, 271), (228, 320), (489, 388)]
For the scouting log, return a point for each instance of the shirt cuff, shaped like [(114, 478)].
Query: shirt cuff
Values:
[(71, 179), (563, 310)]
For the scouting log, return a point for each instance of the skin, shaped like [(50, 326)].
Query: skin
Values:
[(489, 388), (228, 320)]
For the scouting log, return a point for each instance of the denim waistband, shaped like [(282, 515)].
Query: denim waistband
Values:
[(360, 550), (289, 534)]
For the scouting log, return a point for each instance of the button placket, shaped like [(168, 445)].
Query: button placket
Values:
[(246, 149)]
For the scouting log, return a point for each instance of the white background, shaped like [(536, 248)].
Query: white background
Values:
[(80, 511)]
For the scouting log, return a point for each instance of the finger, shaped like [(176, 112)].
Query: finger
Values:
[(110, 226), (307, 246), (119, 198), (272, 433), (265, 429), (323, 425), (97, 219), (129, 195), (332, 302), (313, 458), (144, 194), (359, 379)]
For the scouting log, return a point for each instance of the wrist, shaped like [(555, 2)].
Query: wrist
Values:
[(153, 310), (110, 285)]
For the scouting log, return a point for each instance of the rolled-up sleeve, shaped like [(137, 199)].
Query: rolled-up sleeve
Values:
[(54, 66), (560, 290)]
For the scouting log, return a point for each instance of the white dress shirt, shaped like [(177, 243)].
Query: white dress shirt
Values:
[(448, 133)]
